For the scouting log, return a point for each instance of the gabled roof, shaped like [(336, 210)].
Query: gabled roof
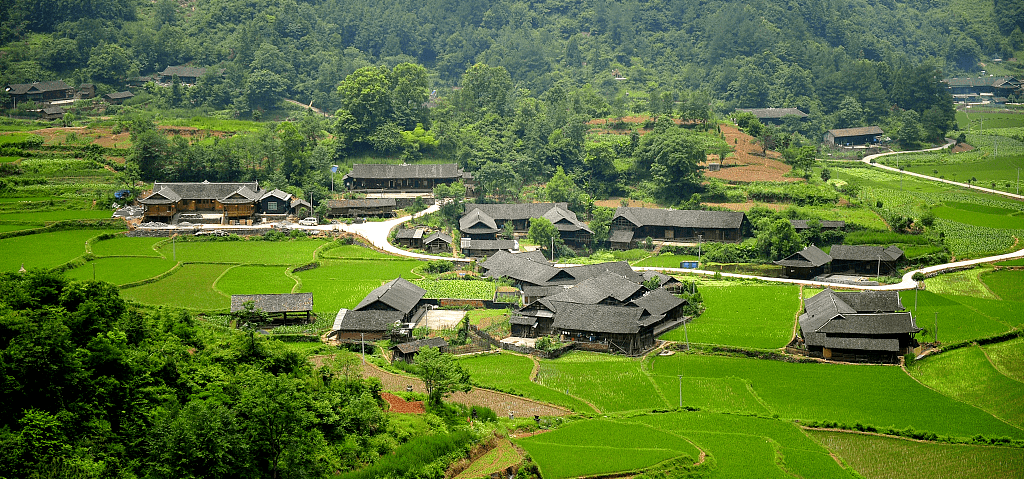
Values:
[(183, 71), (844, 252), (439, 171), (517, 211), (438, 236), (872, 301), (37, 87), (296, 201), (587, 271), (415, 346), (475, 244), (362, 203), (373, 320), (809, 257), (680, 218), (621, 236), (860, 131), (773, 113), (53, 110), (606, 287), (663, 278), (804, 224), (164, 193), (659, 302), (565, 220), (409, 233), (477, 222), (397, 294), (598, 318), (1004, 82), (121, 95), (276, 193), (274, 303), (831, 318)]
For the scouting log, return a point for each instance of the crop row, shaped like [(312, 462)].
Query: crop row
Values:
[(457, 289)]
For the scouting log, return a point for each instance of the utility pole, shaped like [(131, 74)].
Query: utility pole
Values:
[(680, 391), (935, 332), (686, 335), (1018, 180), (362, 346), (552, 249), (174, 248), (700, 238), (879, 272)]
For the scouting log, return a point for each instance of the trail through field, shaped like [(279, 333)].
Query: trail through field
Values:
[(501, 403)]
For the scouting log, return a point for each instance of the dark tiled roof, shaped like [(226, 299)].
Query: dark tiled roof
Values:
[(864, 130), (409, 233), (881, 323), (871, 301), (121, 95), (523, 320), (862, 344), (681, 218), (597, 289), (37, 87), (438, 236), (274, 303), (164, 193), (662, 277), (183, 71), (587, 271), (300, 202), (439, 171), (773, 113), (864, 253), (362, 203), (982, 81), (542, 291), (832, 317), (659, 302), (565, 220), (515, 211), (477, 222), (621, 236), (599, 318), (809, 257), (502, 244), (804, 224), (398, 294), (53, 110), (373, 320), (276, 193), (414, 346)]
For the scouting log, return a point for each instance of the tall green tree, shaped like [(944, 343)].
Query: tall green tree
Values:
[(441, 374)]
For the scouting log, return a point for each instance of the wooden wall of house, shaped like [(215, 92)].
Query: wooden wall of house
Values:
[(367, 335)]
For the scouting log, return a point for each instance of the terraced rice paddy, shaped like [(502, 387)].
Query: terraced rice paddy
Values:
[(877, 457), (256, 280), (42, 217), (612, 383), (1006, 358), (190, 287), (960, 318), (1006, 284), (967, 375), (44, 250), (731, 319), (125, 246), (511, 373), (343, 283), (293, 252), (121, 270)]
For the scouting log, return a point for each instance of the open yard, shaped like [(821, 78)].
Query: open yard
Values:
[(730, 318)]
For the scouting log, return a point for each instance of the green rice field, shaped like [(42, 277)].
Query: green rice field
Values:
[(1006, 358), (256, 280), (340, 284), (44, 250), (878, 457), (603, 446), (967, 375), (612, 383), (980, 215), (960, 283), (125, 246), (960, 318), (19, 227), (57, 215), (1007, 284), (665, 260), (121, 270), (353, 252), (191, 287), (511, 373), (730, 319), (457, 288), (293, 252)]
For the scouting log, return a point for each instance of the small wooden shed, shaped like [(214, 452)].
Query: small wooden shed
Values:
[(300, 304), (408, 351)]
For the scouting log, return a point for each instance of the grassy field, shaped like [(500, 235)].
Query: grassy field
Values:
[(731, 320), (612, 383), (125, 246), (980, 215), (665, 260), (1005, 357), (511, 373), (967, 375), (6, 227), (603, 446), (1007, 284), (960, 318), (44, 250), (878, 395), (352, 252), (343, 283), (121, 270), (293, 252), (255, 280), (189, 287), (877, 457), (58, 215)]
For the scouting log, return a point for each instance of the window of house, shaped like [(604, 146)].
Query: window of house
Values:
[(271, 206)]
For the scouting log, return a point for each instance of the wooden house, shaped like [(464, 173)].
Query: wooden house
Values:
[(361, 207), (44, 91), (438, 242), (186, 74), (295, 304), (395, 306), (806, 264), (866, 259), (773, 115), (484, 221), (407, 352), (86, 91), (478, 248), (857, 326), (218, 203), (1003, 86), (118, 97), (410, 237), (278, 205), (630, 226), (405, 178), (51, 113), (866, 135), (607, 312)]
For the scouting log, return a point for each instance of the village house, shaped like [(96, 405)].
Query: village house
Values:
[(41, 92), (86, 91), (300, 304), (410, 237), (485, 221), (118, 97), (394, 307), (976, 89), (865, 135), (214, 203), (773, 115), (361, 207), (630, 226), (438, 242), (276, 205), (608, 313), (857, 326), (480, 248), (402, 178), (51, 113), (186, 74), (861, 259), (806, 264), (406, 352)]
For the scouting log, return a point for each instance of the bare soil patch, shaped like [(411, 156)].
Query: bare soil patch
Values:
[(399, 405), (961, 148), (748, 205), (615, 202), (746, 163)]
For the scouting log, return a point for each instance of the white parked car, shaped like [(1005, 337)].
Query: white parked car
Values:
[(311, 221)]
